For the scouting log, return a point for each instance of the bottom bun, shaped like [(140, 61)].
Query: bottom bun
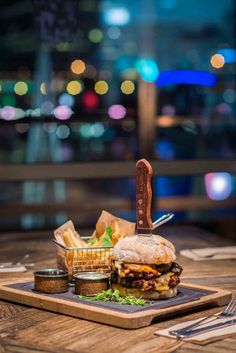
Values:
[(137, 293)]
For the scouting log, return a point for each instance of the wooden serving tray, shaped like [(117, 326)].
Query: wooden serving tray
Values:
[(190, 297)]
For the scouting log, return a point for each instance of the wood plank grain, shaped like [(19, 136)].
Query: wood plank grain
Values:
[(37, 329)]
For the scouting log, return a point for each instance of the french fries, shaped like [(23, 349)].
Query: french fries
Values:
[(96, 254)]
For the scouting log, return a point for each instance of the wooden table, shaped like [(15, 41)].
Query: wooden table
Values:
[(24, 329)]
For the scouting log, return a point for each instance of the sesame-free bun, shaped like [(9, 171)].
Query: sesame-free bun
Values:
[(137, 293), (144, 249)]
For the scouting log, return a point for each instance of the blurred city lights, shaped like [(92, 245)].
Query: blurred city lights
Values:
[(8, 100), (168, 110), (229, 95), (186, 77), (101, 87), (63, 112), (86, 130), (97, 130), (127, 87), (66, 99), (8, 113), (74, 87), (130, 74), (228, 54), (63, 132), (22, 128), (118, 16), (95, 35), (147, 69), (223, 108), (218, 186), (78, 67), (117, 111), (0, 88), (19, 113), (217, 61), (21, 88), (113, 32), (47, 107), (50, 127), (43, 88), (90, 100)]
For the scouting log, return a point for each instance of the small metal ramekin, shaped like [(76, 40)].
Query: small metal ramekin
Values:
[(91, 283), (51, 280)]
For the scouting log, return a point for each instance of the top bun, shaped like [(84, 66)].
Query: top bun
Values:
[(144, 249)]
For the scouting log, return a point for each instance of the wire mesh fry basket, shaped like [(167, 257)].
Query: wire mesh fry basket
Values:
[(74, 260)]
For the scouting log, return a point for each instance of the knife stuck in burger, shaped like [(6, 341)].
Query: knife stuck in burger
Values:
[(144, 264)]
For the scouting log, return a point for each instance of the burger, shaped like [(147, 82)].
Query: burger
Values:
[(144, 266)]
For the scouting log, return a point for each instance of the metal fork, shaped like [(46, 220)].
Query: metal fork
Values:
[(230, 310)]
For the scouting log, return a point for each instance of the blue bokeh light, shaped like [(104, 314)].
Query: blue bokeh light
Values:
[(228, 54), (147, 69), (188, 77), (118, 16), (66, 99)]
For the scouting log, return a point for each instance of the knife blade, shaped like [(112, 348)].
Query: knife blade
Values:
[(194, 332), (143, 197)]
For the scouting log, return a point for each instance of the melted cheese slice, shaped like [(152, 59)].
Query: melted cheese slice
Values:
[(126, 268)]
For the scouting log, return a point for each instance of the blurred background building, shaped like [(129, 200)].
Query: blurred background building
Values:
[(87, 87)]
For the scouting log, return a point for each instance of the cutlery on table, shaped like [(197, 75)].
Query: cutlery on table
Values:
[(229, 311)]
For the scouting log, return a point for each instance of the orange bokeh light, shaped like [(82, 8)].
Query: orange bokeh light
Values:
[(217, 61), (77, 67)]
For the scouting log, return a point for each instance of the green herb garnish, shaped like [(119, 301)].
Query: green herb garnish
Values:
[(110, 296), (106, 241)]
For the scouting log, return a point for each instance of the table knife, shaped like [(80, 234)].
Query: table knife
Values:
[(143, 197), (205, 328)]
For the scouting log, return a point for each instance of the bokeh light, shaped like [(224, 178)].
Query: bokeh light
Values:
[(218, 186), (74, 87), (228, 54), (22, 128), (118, 16), (63, 112), (78, 67), (8, 113), (21, 88), (229, 95), (127, 87), (66, 99), (86, 130), (223, 108), (101, 87), (50, 127), (97, 130), (8, 100), (217, 61), (95, 35), (147, 69), (19, 113), (90, 100), (117, 111), (44, 88), (168, 110), (63, 132), (47, 107), (113, 32)]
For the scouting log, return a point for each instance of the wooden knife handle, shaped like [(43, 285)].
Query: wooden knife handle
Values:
[(143, 194)]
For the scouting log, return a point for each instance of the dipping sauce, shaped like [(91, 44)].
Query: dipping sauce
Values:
[(91, 283), (51, 281)]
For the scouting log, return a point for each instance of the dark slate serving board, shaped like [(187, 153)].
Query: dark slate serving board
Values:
[(185, 295)]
